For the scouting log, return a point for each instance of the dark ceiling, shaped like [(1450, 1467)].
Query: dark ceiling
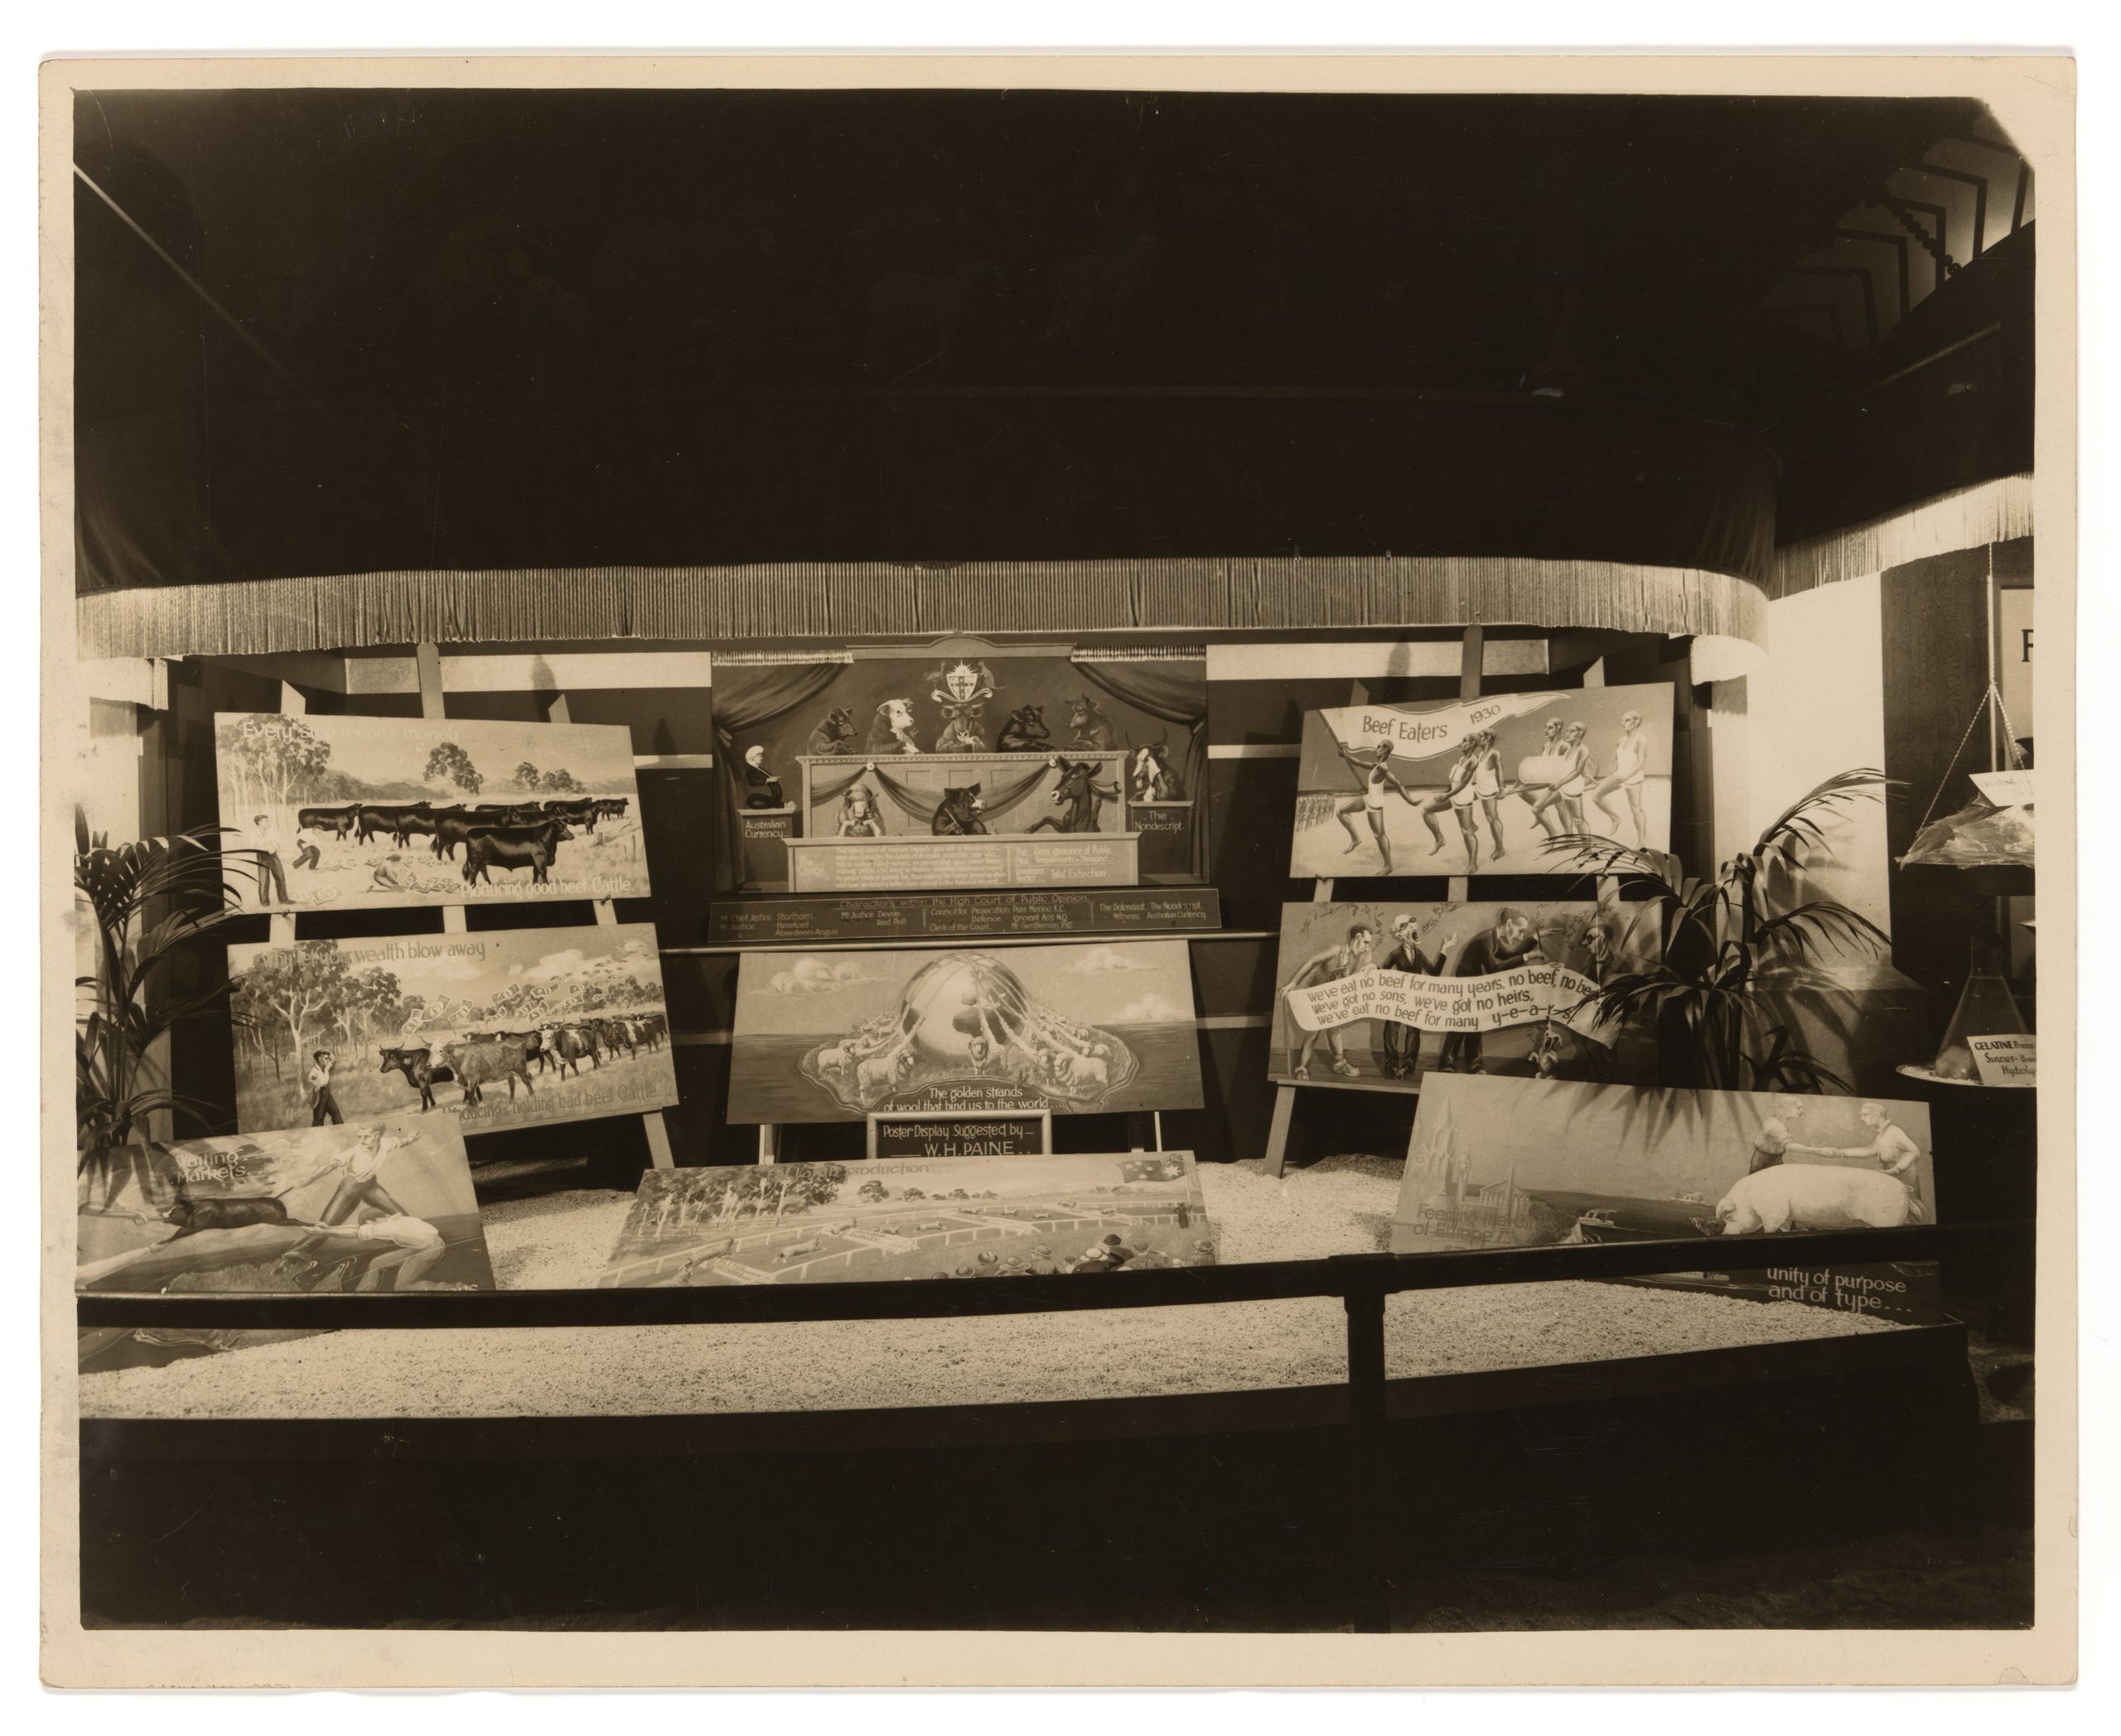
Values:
[(415, 268)]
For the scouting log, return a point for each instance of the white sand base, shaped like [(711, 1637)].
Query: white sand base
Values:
[(560, 1241)]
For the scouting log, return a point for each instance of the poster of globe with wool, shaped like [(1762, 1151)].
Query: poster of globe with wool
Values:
[(510, 1028), (1072, 1028)]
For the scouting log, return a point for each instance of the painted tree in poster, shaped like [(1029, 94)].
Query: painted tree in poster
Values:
[(300, 986), (451, 762), (273, 760)]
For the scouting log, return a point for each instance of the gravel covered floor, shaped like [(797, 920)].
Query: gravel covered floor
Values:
[(560, 1240)]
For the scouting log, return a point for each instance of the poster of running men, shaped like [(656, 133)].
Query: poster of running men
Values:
[(1482, 787)]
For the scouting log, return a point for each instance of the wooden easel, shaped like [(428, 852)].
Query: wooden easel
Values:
[(429, 658), (1472, 651)]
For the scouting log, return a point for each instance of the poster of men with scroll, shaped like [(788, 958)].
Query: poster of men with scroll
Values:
[(1482, 787), (1071, 1029), (340, 813), (885, 752), (505, 1029), (1380, 994)]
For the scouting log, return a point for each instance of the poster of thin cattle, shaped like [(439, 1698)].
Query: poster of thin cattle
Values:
[(1036, 1215), (362, 813), (1482, 787), (505, 1029), (385, 1205), (1076, 1029), (1511, 1162), (1379, 994)]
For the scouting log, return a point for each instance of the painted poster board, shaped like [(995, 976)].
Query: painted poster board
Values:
[(1480, 787), (510, 1028), (997, 710), (1381, 995), (1510, 1163), (1039, 1214), (369, 813), (387, 1205), (1074, 1029)]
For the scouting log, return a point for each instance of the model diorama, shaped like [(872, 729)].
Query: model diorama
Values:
[(958, 1217)]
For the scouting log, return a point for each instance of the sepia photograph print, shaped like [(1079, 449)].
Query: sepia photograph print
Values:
[(1074, 1029), (496, 1030), (943, 552), (1482, 788), (343, 812), (1379, 994), (1033, 1215)]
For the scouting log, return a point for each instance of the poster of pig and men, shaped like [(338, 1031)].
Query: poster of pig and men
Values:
[(347, 813), (1482, 787), (1516, 1163), (503, 1029)]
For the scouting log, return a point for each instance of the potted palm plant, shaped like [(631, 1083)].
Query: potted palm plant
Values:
[(1736, 947), (143, 901)]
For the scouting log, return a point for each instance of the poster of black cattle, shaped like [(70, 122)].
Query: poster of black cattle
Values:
[(1017, 727), (1034, 1215), (506, 1029), (381, 1207), (361, 813)]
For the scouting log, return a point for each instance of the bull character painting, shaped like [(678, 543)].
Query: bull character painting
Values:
[(508, 1028), (349, 813), (1508, 1163)]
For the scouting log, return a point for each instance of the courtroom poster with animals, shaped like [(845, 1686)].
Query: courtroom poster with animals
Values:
[(340, 813), (1071, 1028), (1046, 743), (1382, 996), (385, 1205), (1482, 787), (1035, 1215), (504, 1029), (1522, 1162)]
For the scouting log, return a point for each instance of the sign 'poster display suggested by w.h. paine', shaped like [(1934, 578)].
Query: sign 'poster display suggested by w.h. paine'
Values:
[(340, 813), (1032, 1215), (1377, 995), (1071, 1029), (508, 1028), (1482, 787)]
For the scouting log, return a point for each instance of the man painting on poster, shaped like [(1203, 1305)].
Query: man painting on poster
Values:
[(1330, 966), (1375, 774), (1895, 1151), (362, 1207), (1506, 944), (1403, 1043), (272, 872), (323, 1106)]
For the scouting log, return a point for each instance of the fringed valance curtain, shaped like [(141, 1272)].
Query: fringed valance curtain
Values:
[(2000, 511), (838, 600)]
